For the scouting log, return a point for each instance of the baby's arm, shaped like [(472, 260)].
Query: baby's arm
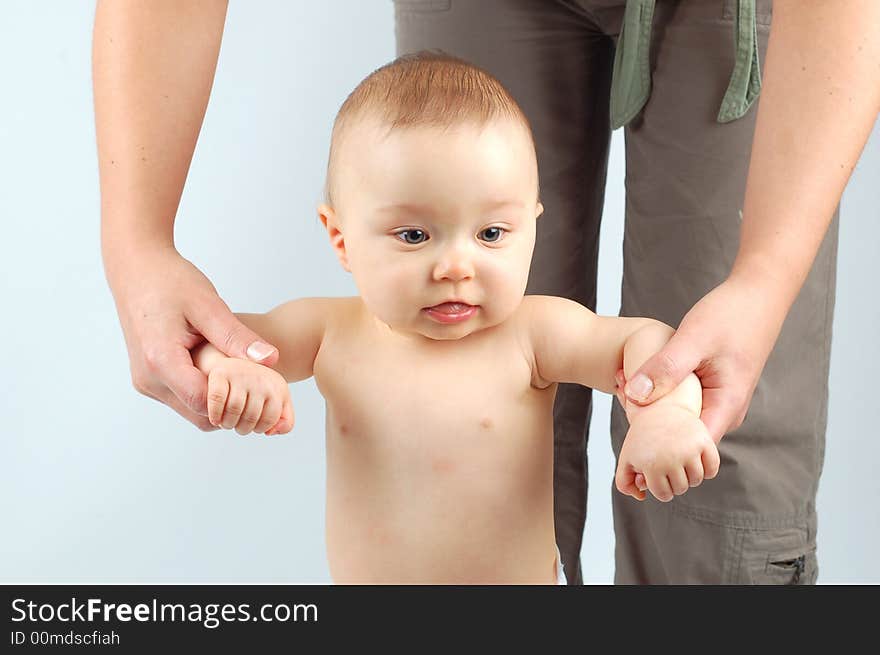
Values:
[(666, 442), (572, 344), (236, 386)]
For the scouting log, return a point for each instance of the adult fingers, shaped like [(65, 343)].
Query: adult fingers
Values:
[(664, 371), (220, 326), (169, 399), (173, 368), (620, 380), (724, 409)]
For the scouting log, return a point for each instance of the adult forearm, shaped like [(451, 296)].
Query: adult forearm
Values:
[(820, 98), (153, 67)]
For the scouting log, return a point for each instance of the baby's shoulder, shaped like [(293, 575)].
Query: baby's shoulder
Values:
[(312, 313), (341, 305), (546, 320), (347, 309), (341, 315), (536, 310), (311, 305), (534, 303), (532, 323)]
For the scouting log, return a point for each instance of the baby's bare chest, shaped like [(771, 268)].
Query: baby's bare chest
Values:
[(384, 390)]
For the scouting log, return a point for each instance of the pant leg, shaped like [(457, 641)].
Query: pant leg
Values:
[(557, 65), (686, 173)]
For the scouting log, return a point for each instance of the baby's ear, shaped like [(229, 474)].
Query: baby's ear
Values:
[(539, 210), (328, 217)]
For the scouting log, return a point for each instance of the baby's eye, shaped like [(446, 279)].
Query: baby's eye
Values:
[(491, 234), (413, 237)]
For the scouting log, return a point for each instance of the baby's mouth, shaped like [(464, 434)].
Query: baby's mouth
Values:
[(451, 308), (451, 312)]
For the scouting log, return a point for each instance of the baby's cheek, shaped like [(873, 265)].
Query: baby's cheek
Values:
[(506, 288), (389, 298)]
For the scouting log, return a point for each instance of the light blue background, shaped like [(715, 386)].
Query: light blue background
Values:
[(101, 484)]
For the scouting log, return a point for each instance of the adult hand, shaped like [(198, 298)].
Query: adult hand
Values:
[(166, 307), (725, 340)]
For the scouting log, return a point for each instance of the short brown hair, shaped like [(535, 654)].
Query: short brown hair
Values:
[(428, 88)]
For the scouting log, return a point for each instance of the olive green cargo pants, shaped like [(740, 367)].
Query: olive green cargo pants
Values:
[(685, 181)]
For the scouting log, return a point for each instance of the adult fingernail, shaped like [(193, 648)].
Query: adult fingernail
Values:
[(258, 351), (640, 387)]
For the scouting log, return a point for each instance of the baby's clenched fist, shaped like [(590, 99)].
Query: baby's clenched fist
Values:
[(248, 397), (671, 447)]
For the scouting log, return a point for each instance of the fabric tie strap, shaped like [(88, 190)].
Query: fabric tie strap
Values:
[(745, 83), (631, 76)]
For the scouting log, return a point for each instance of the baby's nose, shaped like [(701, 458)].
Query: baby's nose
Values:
[(455, 265)]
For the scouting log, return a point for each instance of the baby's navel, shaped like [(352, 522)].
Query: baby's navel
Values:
[(343, 429), (486, 423)]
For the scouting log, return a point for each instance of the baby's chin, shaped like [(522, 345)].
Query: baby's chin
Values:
[(425, 328), (484, 320), (446, 334), (422, 326)]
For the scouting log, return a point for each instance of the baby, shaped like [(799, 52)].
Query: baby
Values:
[(440, 376)]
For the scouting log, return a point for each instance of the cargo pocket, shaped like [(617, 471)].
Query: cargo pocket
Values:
[(777, 557), (789, 568)]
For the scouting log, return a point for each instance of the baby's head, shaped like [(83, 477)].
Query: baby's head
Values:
[(432, 196)]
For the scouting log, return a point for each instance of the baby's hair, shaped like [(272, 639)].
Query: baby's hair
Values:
[(429, 88)]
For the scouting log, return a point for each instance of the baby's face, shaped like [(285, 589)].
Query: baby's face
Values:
[(437, 228)]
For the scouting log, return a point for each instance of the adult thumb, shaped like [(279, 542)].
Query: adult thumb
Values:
[(229, 335), (663, 372)]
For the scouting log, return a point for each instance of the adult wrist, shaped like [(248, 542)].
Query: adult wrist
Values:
[(122, 256), (761, 274), (768, 293)]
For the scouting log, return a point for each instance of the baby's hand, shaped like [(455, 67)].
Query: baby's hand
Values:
[(249, 397), (671, 447)]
